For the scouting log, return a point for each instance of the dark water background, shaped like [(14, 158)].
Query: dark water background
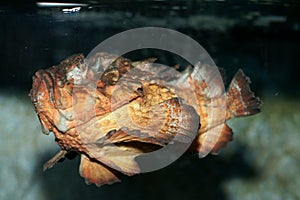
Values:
[(261, 37)]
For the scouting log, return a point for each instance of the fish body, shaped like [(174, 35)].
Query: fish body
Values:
[(111, 111)]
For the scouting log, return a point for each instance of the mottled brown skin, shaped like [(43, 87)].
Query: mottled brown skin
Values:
[(87, 108)]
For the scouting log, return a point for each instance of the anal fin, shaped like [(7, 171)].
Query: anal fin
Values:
[(212, 141), (225, 137)]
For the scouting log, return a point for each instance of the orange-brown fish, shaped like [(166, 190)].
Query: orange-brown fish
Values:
[(110, 111)]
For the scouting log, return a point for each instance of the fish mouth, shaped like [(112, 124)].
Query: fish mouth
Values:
[(41, 97), (42, 88)]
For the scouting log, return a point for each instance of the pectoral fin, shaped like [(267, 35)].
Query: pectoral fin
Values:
[(97, 173)]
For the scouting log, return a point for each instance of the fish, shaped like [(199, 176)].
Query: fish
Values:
[(111, 111)]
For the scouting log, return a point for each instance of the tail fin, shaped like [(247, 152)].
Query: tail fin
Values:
[(240, 99)]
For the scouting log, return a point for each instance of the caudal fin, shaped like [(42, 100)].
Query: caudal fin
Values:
[(240, 99)]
